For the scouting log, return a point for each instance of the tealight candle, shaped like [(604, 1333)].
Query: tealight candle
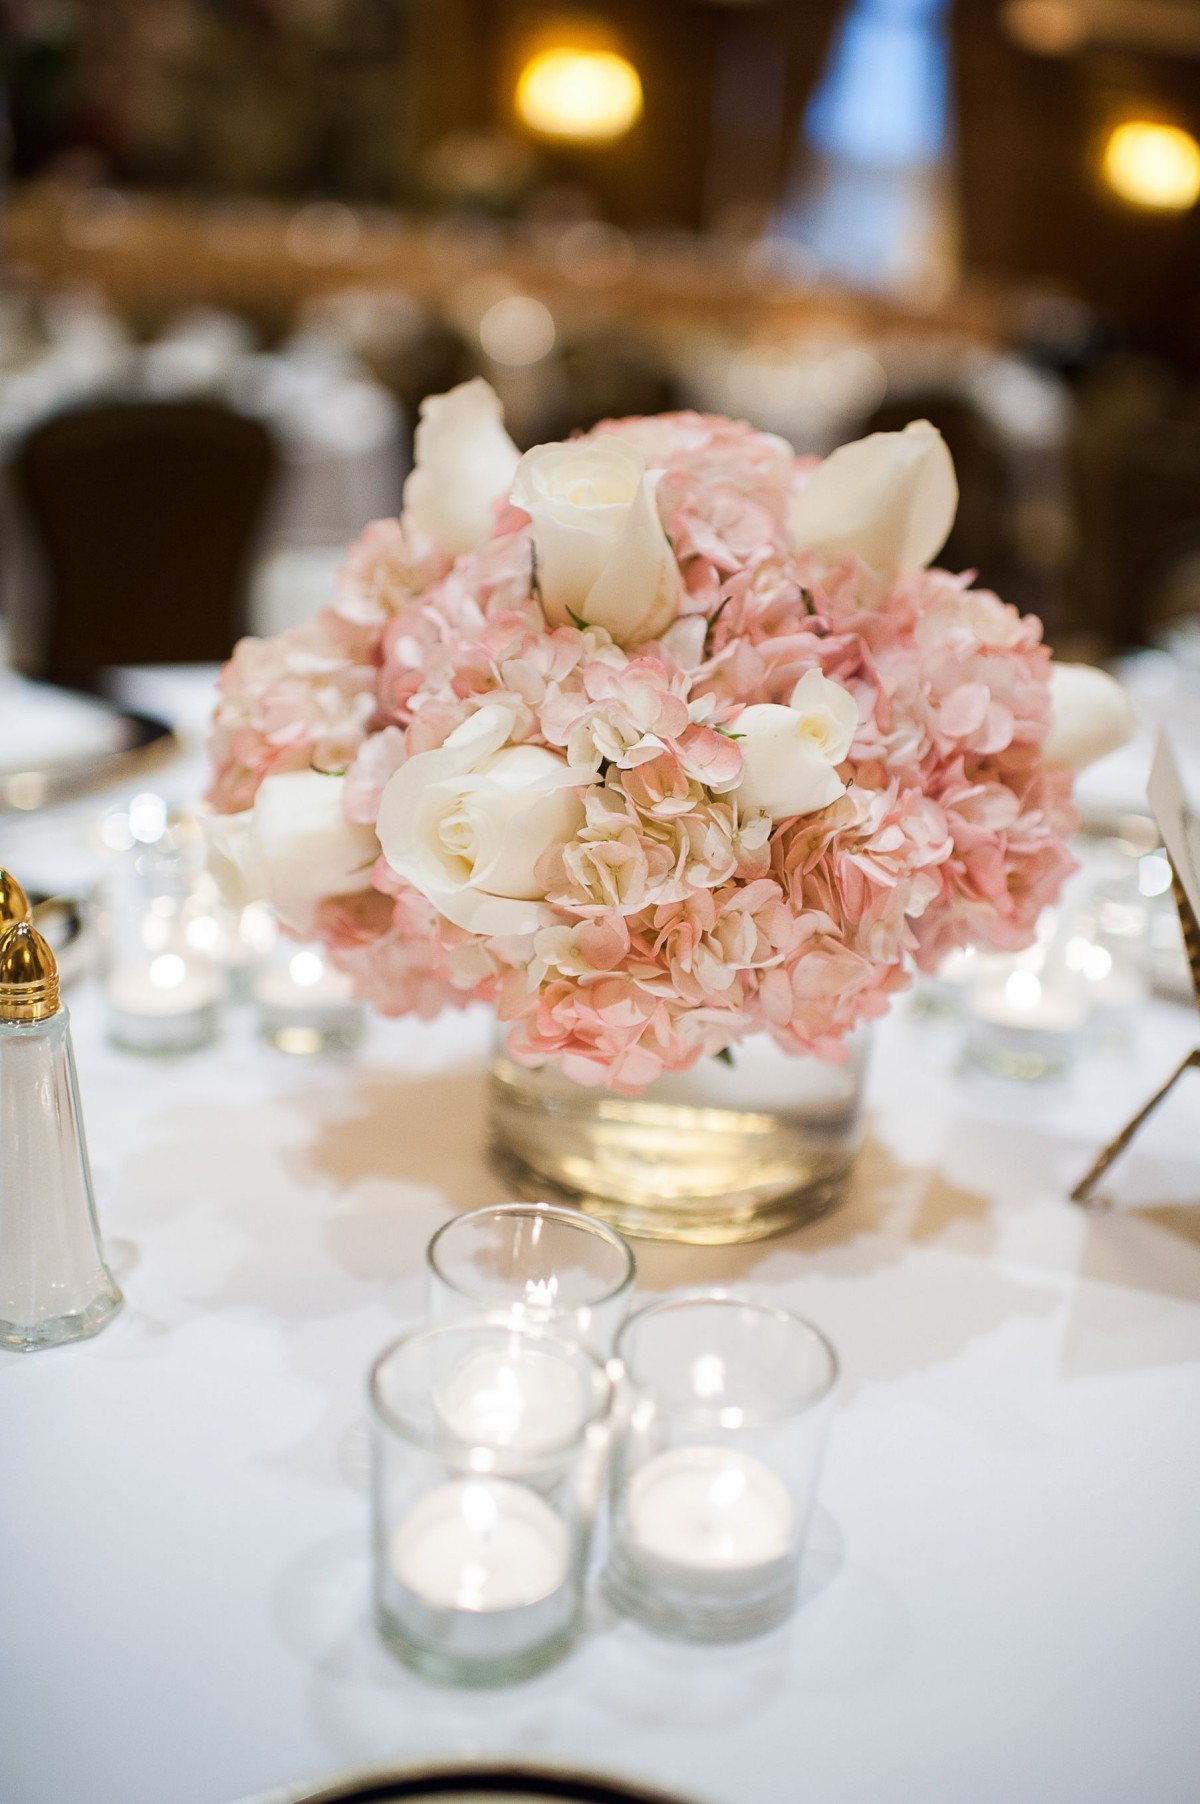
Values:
[(489, 1451), (728, 1400), (1024, 1027), (481, 1545), (518, 1400), (306, 1005), (169, 1004), (700, 1518)]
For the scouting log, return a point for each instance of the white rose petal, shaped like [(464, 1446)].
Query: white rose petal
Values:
[(292, 848), (828, 714), (1090, 716), (891, 498), (464, 465), (466, 824), (789, 754), (602, 554)]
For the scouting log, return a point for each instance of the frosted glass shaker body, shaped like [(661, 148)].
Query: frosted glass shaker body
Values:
[(54, 1283)]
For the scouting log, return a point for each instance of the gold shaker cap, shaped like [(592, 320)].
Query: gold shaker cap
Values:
[(28, 975), (14, 903)]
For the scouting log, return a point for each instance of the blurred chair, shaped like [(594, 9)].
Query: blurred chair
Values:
[(1139, 476), (980, 536), (145, 516)]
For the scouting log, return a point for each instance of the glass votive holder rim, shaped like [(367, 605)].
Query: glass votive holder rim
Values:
[(749, 1417), (574, 1218), (439, 1437)]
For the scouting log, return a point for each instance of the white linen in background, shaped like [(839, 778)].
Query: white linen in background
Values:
[(41, 726)]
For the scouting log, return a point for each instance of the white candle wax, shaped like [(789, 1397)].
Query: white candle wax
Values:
[(481, 1545), (165, 986), (305, 984), (705, 1516), (522, 1401), (1026, 1003)]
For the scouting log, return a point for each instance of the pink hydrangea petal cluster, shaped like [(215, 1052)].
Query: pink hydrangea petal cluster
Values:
[(401, 953), (675, 923), (307, 699)]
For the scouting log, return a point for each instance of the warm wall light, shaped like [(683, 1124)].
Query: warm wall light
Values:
[(582, 94), (1153, 165)]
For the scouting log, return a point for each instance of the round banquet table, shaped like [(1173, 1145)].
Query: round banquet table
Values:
[(1002, 1591)]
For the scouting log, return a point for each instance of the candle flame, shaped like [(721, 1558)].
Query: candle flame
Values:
[(1023, 989), (168, 971)]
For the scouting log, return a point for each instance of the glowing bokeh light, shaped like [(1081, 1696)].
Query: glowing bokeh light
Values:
[(1153, 165), (306, 968), (1046, 27), (588, 95), (517, 330), (168, 971)]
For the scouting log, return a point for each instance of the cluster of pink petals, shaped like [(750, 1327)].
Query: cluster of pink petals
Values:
[(307, 698), (680, 925), (400, 952)]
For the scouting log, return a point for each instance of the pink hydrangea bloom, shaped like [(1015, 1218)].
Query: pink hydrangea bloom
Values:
[(675, 922)]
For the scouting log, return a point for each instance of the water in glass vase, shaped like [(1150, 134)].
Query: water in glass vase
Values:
[(721, 1153)]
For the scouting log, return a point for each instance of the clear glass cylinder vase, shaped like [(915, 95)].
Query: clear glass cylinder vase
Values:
[(725, 1152)]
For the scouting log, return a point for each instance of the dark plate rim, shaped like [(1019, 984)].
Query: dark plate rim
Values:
[(392, 1785), (27, 791)]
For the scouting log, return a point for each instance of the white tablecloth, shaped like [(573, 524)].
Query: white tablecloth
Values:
[(1003, 1590)]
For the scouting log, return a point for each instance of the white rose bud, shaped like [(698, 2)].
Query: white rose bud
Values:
[(1090, 716), (464, 465), (790, 754), (602, 554), (466, 824), (292, 848), (891, 498)]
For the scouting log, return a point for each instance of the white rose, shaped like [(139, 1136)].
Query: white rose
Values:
[(891, 498), (464, 465), (1090, 716), (467, 824), (602, 554), (292, 848), (790, 754)]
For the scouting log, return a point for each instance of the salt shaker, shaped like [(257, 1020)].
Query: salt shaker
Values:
[(54, 1283)]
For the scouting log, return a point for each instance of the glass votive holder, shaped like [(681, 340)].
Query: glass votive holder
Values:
[(489, 1454), (253, 936), (727, 1407), (163, 988), (305, 1004), (537, 1265), (1025, 1026), (166, 1003), (945, 991), (1104, 955)]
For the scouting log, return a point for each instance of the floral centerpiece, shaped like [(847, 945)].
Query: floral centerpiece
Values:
[(654, 740)]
